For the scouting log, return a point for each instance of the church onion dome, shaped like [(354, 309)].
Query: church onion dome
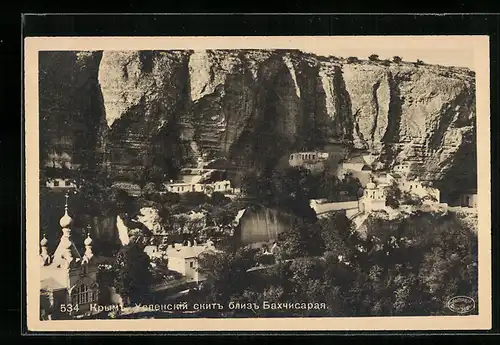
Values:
[(65, 220), (370, 185), (44, 241), (88, 240)]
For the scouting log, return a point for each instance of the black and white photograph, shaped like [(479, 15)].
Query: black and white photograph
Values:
[(303, 180)]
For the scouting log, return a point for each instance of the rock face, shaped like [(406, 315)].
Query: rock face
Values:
[(166, 108), (70, 108), (146, 99)]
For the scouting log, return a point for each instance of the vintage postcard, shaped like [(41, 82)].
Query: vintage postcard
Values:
[(258, 183)]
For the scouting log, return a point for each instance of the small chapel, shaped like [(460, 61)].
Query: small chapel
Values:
[(68, 279)]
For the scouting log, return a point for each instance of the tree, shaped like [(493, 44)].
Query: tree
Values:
[(287, 189), (257, 187), (93, 198), (133, 276), (226, 272), (350, 184), (397, 59), (352, 59), (393, 196), (411, 199), (218, 198), (419, 62), (155, 175), (149, 189), (373, 57), (123, 202), (194, 198), (339, 236), (291, 191), (449, 266)]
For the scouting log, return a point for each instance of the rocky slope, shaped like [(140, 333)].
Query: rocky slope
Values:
[(166, 108)]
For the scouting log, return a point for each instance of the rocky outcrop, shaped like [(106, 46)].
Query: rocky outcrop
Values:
[(150, 218), (146, 101), (165, 109)]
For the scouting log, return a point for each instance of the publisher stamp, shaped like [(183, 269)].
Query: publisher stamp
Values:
[(461, 304)]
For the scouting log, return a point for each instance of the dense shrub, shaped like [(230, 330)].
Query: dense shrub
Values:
[(352, 59)]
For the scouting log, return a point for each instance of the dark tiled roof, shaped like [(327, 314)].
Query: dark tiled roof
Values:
[(355, 160)]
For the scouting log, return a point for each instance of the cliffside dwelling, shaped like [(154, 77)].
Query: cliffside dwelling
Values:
[(359, 166), (207, 188), (313, 161), (68, 279), (469, 198), (62, 184), (428, 194), (184, 258), (258, 227), (375, 195), (402, 168)]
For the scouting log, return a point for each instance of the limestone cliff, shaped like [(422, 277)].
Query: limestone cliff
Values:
[(165, 108)]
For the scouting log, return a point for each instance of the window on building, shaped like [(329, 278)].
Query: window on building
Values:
[(67, 183), (291, 157), (191, 264), (56, 183), (83, 294)]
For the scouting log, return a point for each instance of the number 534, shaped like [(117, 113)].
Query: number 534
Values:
[(68, 308)]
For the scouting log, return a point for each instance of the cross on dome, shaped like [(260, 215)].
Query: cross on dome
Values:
[(88, 240), (44, 241), (66, 220)]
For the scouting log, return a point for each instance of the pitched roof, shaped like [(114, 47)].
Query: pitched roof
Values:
[(355, 160), (185, 252), (53, 278), (52, 284)]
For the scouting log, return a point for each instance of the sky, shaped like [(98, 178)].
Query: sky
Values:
[(459, 51)]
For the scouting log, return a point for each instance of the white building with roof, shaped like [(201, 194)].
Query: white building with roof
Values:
[(184, 258), (426, 193), (60, 183), (314, 160), (207, 188)]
